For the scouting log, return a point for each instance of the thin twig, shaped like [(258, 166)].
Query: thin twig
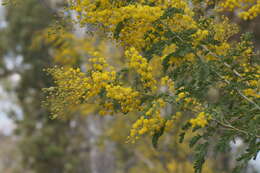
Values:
[(238, 91), (226, 64), (233, 128)]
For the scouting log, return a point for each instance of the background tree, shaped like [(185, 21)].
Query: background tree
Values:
[(45, 144)]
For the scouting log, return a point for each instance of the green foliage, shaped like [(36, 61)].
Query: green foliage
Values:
[(200, 154), (156, 137), (119, 27), (169, 12), (194, 140)]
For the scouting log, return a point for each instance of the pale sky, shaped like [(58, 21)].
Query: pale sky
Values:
[(7, 100), (7, 103)]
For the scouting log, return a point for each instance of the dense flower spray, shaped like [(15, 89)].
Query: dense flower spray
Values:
[(173, 59)]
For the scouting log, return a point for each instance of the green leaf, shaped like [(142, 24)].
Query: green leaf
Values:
[(156, 49), (239, 168), (201, 152), (251, 151), (119, 27), (116, 105), (169, 12), (102, 92), (223, 143), (184, 129), (182, 136), (165, 62), (194, 140), (156, 137)]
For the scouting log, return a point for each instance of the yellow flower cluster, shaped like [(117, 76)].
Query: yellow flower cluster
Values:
[(252, 12), (98, 63), (100, 78), (223, 30), (151, 125), (219, 50), (68, 49), (199, 35), (201, 120), (166, 81), (192, 104), (231, 4), (182, 22), (152, 122), (169, 49), (181, 96), (140, 18), (176, 62), (126, 97), (251, 92), (250, 9), (72, 87), (134, 19), (65, 52), (142, 67), (155, 108), (169, 123), (143, 126), (75, 87)]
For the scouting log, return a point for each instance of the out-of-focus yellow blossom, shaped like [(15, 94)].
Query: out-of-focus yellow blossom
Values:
[(142, 67), (170, 123), (126, 97), (72, 87), (156, 106), (152, 122), (200, 35), (166, 81), (248, 9), (252, 93), (224, 29), (109, 14), (135, 19), (181, 96), (146, 126), (169, 49), (201, 120)]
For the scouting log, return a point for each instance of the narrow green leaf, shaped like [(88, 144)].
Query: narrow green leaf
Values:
[(156, 137)]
